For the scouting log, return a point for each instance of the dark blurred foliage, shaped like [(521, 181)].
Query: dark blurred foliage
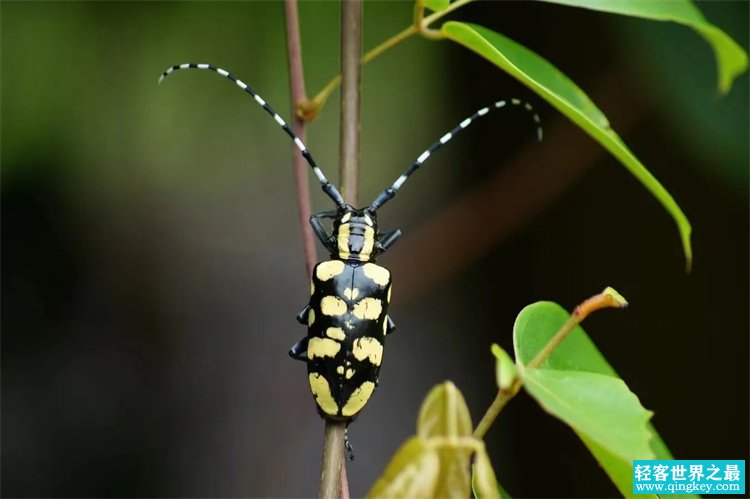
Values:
[(151, 265)]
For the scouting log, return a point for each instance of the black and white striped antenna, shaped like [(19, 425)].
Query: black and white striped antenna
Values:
[(388, 193), (327, 186)]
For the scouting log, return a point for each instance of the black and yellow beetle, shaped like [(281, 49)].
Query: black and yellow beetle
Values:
[(347, 317)]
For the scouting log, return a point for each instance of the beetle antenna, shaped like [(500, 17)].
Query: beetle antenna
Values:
[(388, 194), (327, 186)]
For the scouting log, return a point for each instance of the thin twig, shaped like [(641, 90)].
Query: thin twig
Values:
[(420, 25), (333, 460), (351, 52), (502, 398), (332, 476), (297, 89)]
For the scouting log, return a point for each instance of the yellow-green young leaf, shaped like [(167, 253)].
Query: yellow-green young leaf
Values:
[(557, 89), (600, 407), (413, 472), (441, 450), (444, 422), (437, 5), (731, 60), (454, 479), (444, 413), (483, 481), (505, 368)]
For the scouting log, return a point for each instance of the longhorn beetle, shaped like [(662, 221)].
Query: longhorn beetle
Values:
[(347, 316)]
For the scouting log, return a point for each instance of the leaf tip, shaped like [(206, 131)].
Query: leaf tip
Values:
[(609, 298), (687, 246), (505, 368), (618, 300)]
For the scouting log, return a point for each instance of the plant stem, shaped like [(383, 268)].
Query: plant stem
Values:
[(297, 89), (609, 298), (333, 460), (320, 98), (437, 15), (332, 477), (389, 43), (421, 25), (559, 336), (351, 72), (502, 398)]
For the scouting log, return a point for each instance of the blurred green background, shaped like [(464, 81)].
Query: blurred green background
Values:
[(152, 268)]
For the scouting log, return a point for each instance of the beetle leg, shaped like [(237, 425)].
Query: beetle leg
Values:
[(391, 325), (302, 316), (299, 350), (320, 231), (348, 446), (386, 239)]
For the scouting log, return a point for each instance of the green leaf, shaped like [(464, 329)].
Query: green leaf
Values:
[(619, 471), (437, 5), (731, 60), (557, 89), (537, 324), (442, 451), (444, 413), (534, 327), (600, 407), (413, 472), (505, 368), (483, 481), (503, 493)]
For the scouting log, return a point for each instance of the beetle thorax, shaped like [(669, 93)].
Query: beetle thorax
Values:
[(355, 232)]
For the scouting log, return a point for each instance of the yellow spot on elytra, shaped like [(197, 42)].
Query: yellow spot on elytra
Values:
[(310, 318), (333, 306), (367, 348), (312, 287), (346, 217), (340, 369), (322, 392), (388, 299), (336, 333), (358, 399), (349, 373), (322, 347), (329, 269), (368, 308), (385, 324), (342, 241), (351, 294), (377, 273)]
